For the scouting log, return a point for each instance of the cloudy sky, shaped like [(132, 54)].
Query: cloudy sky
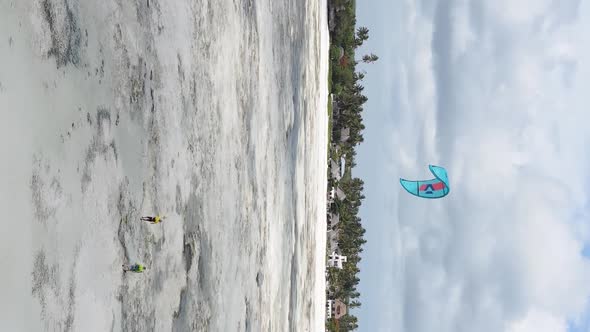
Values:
[(498, 93)]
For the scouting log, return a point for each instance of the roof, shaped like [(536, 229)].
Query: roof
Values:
[(333, 239), (334, 169), (339, 308), (340, 194), (334, 219), (344, 134)]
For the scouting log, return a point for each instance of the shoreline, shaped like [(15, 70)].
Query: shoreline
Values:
[(344, 229), (321, 267)]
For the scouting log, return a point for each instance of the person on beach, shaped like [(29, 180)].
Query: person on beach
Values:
[(154, 220), (137, 268)]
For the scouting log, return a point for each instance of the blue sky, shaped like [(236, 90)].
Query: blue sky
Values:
[(496, 92)]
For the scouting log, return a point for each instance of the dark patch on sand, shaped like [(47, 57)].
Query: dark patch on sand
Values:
[(179, 206), (64, 31), (46, 287), (259, 278), (46, 191), (44, 280), (127, 211), (99, 146), (248, 318)]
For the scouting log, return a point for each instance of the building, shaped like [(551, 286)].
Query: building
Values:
[(330, 198), (342, 165), (335, 111), (344, 134), (340, 194), (336, 260), (335, 148), (338, 309), (333, 220), (334, 170), (335, 309), (333, 240), (332, 193)]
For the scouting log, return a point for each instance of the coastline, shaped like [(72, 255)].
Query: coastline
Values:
[(321, 244), (344, 192)]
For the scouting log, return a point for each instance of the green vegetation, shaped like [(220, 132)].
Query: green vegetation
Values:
[(330, 114), (330, 109), (345, 85)]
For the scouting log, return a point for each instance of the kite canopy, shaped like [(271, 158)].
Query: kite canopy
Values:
[(434, 188)]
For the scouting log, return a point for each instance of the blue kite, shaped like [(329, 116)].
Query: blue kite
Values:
[(434, 188)]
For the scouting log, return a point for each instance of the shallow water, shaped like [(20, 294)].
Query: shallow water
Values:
[(212, 114)]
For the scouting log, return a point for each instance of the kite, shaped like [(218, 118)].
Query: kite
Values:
[(434, 188)]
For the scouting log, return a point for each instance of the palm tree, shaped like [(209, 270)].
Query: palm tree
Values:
[(370, 58), (354, 304), (362, 34)]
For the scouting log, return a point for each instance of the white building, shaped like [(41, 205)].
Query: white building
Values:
[(330, 198), (335, 260)]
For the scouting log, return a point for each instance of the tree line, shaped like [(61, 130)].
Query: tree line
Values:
[(347, 91)]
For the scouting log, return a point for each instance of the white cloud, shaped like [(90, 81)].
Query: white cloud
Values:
[(536, 321), (518, 12)]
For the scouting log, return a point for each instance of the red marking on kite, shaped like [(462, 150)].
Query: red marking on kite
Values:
[(433, 186)]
